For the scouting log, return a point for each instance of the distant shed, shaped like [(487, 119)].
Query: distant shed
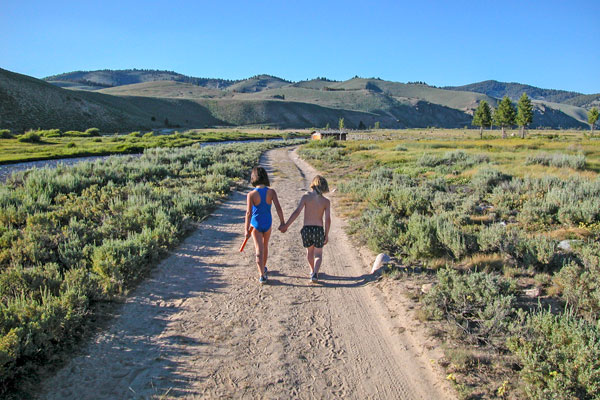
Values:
[(336, 135)]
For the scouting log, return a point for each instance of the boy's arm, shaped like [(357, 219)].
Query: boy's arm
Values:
[(327, 220), (295, 214), (278, 208), (248, 214)]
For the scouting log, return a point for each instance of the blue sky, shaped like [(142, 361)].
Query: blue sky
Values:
[(550, 44)]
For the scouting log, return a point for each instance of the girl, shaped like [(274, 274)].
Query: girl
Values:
[(314, 236), (258, 214)]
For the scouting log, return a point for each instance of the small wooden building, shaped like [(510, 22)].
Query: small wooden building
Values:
[(336, 135)]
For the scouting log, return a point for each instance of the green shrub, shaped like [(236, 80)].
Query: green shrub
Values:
[(92, 132), (421, 239), (327, 143), (5, 134), (559, 355), (379, 228), (580, 282), (30, 137), (456, 157), (559, 160), (480, 304)]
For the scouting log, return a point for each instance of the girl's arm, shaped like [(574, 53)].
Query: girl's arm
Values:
[(248, 214), (327, 220), (295, 213), (278, 208)]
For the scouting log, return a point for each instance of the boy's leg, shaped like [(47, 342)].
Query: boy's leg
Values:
[(266, 237), (318, 254), (259, 250), (310, 256)]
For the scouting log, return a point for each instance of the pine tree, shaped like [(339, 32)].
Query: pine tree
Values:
[(592, 118), (524, 113), (482, 116), (377, 125), (505, 114), (341, 124)]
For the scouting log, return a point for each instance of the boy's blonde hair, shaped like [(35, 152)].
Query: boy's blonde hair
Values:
[(319, 184)]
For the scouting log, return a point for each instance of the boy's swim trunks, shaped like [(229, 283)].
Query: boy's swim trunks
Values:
[(313, 235)]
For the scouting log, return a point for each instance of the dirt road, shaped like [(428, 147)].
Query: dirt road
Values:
[(202, 326)]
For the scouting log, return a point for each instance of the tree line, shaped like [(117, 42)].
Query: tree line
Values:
[(506, 115)]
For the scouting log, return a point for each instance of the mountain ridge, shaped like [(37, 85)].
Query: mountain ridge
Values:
[(151, 99)]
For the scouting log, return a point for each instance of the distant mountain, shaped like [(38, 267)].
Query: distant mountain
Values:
[(586, 101), (258, 83), (515, 90), (26, 103), (109, 78), (144, 99)]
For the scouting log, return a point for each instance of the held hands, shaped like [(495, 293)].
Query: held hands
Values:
[(283, 228)]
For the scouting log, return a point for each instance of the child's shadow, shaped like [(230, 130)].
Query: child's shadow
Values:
[(325, 280)]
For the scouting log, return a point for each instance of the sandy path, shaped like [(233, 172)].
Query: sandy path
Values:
[(202, 327)]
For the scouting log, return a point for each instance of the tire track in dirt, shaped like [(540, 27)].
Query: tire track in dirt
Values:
[(202, 326)]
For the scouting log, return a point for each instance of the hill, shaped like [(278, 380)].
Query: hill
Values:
[(110, 78), (515, 90), (26, 103), (108, 100), (586, 101), (258, 83)]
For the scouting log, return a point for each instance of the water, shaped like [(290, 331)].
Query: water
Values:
[(8, 169)]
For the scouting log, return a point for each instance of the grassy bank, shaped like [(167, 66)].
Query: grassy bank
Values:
[(71, 237), (507, 231), (52, 144)]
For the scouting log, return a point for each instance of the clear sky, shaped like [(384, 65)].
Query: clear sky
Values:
[(550, 44)]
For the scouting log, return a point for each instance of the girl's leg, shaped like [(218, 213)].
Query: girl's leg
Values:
[(310, 256), (259, 250), (266, 237), (318, 259)]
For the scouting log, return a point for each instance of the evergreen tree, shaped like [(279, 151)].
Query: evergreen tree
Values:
[(341, 124), (505, 114), (482, 116), (592, 118), (524, 113), (377, 125), (361, 126), (327, 127)]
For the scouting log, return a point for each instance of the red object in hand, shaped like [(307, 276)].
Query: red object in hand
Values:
[(246, 240)]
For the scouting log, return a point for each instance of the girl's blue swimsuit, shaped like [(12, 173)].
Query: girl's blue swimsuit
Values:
[(261, 214)]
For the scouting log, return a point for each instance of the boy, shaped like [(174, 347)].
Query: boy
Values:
[(314, 236)]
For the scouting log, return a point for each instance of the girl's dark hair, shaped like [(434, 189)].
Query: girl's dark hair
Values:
[(259, 177)]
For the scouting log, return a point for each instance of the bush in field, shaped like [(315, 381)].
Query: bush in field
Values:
[(479, 304), (5, 134), (559, 160), (421, 239), (318, 144), (456, 157), (379, 228), (486, 179), (30, 137), (580, 282), (559, 355), (92, 132)]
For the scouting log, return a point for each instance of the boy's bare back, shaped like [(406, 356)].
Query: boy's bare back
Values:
[(315, 206)]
